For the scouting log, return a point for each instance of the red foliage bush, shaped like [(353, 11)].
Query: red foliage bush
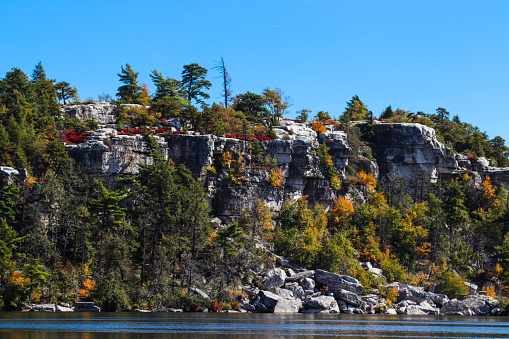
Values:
[(215, 306), (71, 137)]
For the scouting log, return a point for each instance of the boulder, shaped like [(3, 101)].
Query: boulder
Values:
[(342, 304), (472, 288), (335, 282), (322, 302), (275, 278), (44, 308), (86, 306), (376, 271), (174, 310), (308, 284), (282, 293), (297, 290), (428, 309), (284, 305), (259, 307), (349, 297), (63, 309), (481, 304), (249, 307), (391, 311), (438, 299), (407, 292), (455, 307), (268, 299), (418, 294), (300, 275), (200, 293), (411, 310), (251, 291)]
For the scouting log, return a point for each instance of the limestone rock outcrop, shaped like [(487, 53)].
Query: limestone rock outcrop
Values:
[(410, 152), (100, 111)]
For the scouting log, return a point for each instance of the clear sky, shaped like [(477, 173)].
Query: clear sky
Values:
[(414, 54)]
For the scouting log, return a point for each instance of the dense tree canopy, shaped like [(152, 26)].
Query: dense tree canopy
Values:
[(145, 240), (194, 82)]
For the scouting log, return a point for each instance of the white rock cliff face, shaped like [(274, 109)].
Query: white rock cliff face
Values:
[(410, 152), (100, 111)]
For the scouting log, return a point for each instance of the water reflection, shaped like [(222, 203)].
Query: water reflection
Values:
[(207, 325)]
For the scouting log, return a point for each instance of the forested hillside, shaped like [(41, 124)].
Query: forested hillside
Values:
[(143, 240)]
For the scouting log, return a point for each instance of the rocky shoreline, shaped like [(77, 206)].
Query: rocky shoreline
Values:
[(309, 291)]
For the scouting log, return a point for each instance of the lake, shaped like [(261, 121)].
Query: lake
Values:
[(35, 325)]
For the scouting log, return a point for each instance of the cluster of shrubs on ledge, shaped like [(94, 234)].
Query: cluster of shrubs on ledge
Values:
[(72, 137)]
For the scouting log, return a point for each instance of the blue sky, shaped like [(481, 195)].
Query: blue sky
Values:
[(415, 55)]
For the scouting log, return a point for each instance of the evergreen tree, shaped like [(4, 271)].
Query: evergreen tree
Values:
[(65, 91), (45, 98), (128, 93), (355, 110), (193, 80), (170, 96), (252, 105), (16, 93), (387, 113)]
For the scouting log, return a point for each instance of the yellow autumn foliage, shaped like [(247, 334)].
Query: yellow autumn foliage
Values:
[(226, 159), (342, 212), (276, 176), (318, 126), (369, 179)]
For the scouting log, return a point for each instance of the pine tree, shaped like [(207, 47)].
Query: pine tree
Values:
[(45, 98), (193, 80), (355, 110), (130, 92), (65, 91)]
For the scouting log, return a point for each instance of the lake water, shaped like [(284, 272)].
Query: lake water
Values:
[(210, 325)]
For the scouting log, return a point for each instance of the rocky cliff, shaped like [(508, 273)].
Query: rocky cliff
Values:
[(409, 152), (412, 153)]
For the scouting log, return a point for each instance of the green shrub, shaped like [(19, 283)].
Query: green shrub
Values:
[(392, 268), (451, 284), (188, 302), (112, 296)]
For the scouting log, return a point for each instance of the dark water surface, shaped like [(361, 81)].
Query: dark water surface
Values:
[(210, 325)]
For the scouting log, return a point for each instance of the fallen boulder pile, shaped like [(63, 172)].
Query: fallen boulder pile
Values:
[(309, 291)]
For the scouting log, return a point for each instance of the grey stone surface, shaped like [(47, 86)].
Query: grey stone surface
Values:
[(334, 282), (481, 304), (200, 293), (268, 299), (300, 275), (282, 292), (322, 302), (284, 305), (297, 290), (349, 297), (60, 308), (472, 288), (455, 307), (307, 284), (44, 308), (391, 311), (274, 278), (99, 111)]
